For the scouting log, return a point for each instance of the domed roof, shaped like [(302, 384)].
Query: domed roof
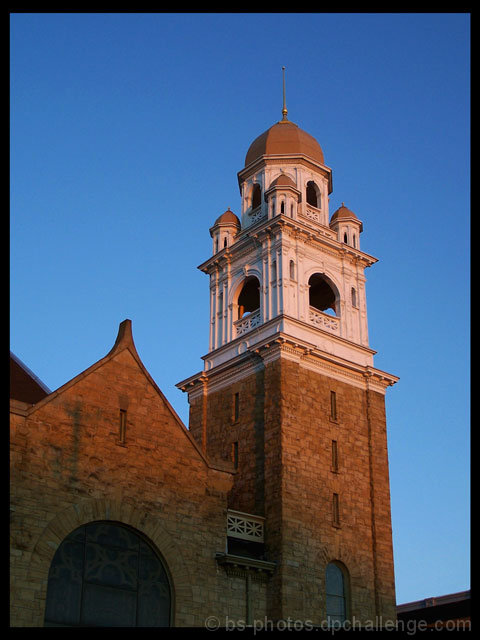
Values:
[(283, 138), (283, 181), (344, 212), (227, 218)]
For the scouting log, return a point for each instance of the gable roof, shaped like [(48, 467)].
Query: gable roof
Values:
[(124, 341), (24, 384)]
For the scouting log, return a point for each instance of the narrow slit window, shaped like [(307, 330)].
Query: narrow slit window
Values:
[(235, 454), (282, 207), (333, 405), (236, 407), (122, 429), (292, 270), (334, 456), (354, 297), (335, 510)]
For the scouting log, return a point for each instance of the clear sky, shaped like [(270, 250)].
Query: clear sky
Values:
[(127, 133)]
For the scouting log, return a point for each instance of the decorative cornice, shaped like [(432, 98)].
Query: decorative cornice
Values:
[(314, 359), (280, 345), (239, 367), (240, 566), (250, 239)]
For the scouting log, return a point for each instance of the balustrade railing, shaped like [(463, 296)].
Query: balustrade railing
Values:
[(312, 214), (323, 320), (257, 214), (247, 323), (245, 526)]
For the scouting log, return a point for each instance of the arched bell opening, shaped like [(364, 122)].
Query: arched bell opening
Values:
[(256, 196), (322, 294), (249, 297), (313, 194)]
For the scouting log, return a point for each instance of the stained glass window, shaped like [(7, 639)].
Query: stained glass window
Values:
[(105, 575)]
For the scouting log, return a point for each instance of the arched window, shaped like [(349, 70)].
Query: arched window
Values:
[(321, 294), (291, 210), (335, 590), (354, 297), (274, 269), (313, 194), (106, 575), (345, 239), (256, 196), (282, 207), (354, 242), (225, 242), (249, 298)]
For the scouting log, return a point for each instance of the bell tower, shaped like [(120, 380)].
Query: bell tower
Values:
[(289, 391)]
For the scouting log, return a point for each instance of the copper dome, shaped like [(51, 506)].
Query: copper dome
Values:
[(284, 138), (345, 213), (227, 217)]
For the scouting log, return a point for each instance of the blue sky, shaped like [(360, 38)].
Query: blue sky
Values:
[(127, 133)]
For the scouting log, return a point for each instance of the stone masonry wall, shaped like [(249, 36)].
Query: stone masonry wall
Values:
[(68, 468), (294, 464), (310, 536)]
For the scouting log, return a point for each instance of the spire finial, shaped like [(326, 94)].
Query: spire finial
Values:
[(284, 110)]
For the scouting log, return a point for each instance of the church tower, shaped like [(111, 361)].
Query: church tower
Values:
[(289, 392)]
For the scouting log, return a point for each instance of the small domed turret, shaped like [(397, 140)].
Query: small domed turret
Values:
[(224, 230), (347, 226)]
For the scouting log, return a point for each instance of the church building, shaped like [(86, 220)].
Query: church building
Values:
[(274, 503)]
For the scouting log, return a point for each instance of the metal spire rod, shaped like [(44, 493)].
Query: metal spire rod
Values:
[(284, 110)]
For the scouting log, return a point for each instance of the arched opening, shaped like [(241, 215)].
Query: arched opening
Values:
[(105, 574), (256, 196), (336, 593), (249, 298), (321, 294), (345, 239), (313, 194), (282, 206)]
